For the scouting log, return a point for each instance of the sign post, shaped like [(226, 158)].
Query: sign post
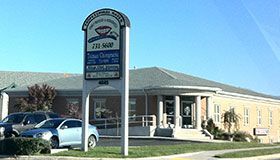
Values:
[(106, 62)]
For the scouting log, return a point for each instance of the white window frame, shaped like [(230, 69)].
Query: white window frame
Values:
[(217, 113), (259, 117), (246, 116), (270, 117), (132, 100), (95, 104)]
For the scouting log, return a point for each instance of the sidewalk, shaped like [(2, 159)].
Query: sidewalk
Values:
[(209, 155)]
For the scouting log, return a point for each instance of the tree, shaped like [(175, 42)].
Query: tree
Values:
[(73, 110), (230, 119), (40, 98)]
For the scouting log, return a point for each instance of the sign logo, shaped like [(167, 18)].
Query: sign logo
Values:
[(102, 32)]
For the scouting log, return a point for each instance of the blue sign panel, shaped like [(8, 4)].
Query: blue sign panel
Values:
[(103, 57), (102, 64)]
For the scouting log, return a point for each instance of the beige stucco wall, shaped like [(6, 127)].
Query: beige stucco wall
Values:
[(240, 104), (203, 108)]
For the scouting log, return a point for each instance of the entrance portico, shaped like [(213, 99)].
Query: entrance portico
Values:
[(181, 111)]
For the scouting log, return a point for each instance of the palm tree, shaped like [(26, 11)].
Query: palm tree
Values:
[(230, 119)]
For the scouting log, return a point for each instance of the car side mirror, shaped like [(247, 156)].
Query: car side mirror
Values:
[(64, 127)]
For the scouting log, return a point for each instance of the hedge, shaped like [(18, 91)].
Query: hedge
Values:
[(24, 146)]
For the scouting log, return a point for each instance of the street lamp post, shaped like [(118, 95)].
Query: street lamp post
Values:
[(12, 85), (4, 100)]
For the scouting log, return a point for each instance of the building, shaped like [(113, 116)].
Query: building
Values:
[(162, 99)]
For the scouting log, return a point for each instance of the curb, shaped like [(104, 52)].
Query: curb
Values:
[(3, 157)]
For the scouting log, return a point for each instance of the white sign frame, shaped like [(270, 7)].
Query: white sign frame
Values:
[(120, 83)]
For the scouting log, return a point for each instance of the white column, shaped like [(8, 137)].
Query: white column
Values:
[(177, 112), (85, 111), (198, 112), (125, 91), (4, 105), (160, 110), (209, 107)]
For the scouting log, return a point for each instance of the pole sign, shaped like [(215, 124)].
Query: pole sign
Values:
[(106, 62), (103, 58)]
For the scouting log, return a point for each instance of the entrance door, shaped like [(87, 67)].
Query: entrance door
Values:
[(186, 114), (169, 110)]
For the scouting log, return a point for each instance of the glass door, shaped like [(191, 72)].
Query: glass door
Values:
[(186, 114), (169, 110)]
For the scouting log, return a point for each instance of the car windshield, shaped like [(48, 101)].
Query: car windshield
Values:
[(14, 118), (53, 123)]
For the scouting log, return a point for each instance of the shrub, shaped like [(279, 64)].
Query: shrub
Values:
[(222, 135), (210, 126), (24, 146), (241, 136)]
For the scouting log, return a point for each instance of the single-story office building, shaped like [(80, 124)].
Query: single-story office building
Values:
[(171, 99)]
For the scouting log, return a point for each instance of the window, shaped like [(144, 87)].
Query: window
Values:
[(270, 117), (217, 113), (14, 118), (246, 116), (73, 101), (100, 108), (70, 124), (259, 116), (30, 120), (132, 107), (53, 115), (78, 124), (39, 117)]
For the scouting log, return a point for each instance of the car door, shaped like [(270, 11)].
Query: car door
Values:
[(68, 133), (28, 123), (79, 131)]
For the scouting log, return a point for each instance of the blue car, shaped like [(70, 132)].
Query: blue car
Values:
[(62, 132)]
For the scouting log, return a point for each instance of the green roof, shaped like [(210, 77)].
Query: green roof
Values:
[(144, 78)]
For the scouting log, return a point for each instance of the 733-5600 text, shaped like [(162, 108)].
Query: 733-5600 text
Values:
[(102, 45)]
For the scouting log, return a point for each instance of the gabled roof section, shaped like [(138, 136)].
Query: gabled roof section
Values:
[(144, 78), (24, 79), (182, 79)]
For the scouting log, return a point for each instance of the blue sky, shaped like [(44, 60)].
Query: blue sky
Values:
[(233, 42)]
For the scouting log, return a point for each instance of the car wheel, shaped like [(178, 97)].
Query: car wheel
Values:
[(91, 142), (54, 142)]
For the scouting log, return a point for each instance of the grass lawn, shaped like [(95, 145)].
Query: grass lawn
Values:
[(152, 151), (250, 153)]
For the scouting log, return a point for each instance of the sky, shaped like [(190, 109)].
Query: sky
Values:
[(232, 42)]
